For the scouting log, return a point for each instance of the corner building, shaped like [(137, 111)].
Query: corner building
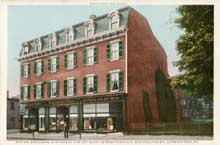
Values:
[(91, 75)]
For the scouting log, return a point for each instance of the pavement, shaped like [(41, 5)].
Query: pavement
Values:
[(15, 135)]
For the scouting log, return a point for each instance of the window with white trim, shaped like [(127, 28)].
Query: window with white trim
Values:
[(114, 21), (38, 45), (90, 56), (70, 87), (38, 67), (25, 92), (41, 119), (114, 51), (53, 88), (25, 70), (38, 90), (90, 84), (53, 64), (53, 40), (25, 48), (115, 81), (69, 35)]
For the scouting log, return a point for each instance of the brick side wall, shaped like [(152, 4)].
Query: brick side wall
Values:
[(145, 56), (12, 124), (101, 69)]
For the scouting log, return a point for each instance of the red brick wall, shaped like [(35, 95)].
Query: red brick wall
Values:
[(100, 69), (145, 56)]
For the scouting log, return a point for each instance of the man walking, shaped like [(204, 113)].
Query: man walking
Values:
[(66, 129)]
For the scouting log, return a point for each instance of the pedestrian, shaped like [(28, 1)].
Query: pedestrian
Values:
[(66, 129)]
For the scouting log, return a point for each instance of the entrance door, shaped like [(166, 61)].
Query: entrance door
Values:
[(62, 116), (33, 119)]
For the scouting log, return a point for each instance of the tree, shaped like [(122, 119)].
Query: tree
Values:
[(195, 48)]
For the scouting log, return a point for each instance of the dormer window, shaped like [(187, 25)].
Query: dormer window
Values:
[(89, 28), (25, 48), (69, 34), (38, 45), (53, 40), (114, 20)]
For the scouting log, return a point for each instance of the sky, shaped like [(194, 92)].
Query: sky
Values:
[(29, 22)]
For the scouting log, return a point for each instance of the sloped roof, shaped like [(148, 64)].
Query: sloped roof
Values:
[(101, 25)]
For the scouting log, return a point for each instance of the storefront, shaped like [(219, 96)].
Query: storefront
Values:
[(91, 114)]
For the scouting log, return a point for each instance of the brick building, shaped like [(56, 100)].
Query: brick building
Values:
[(12, 112), (91, 75)]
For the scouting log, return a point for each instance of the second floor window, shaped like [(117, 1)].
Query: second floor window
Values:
[(53, 64), (39, 90), (114, 51), (70, 87), (90, 56), (38, 67), (25, 70), (90, 84), (25, 92), (53, 88), (70, 60)]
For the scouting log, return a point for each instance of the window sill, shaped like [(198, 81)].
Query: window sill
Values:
[(111, 60), (38, 74), (90, 93), (112, 91)]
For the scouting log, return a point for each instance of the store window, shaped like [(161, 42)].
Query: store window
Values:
[(52, 118), (32, 119), (89, 119), (73, 118), (41, 119), (25, 120)]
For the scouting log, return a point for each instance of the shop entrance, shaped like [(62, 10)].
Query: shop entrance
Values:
[(62, 117), (33, 117)]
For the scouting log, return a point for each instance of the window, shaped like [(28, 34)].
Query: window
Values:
[(42, 119), (53, 64), (25, 92), (25, 120), (69, 35), (70, 87), (73, 118), (25, 70), (25, 48), (52, 118), (53, 40), (53, 88), (114, 50), (89, 27), (12, 107), (114, 81), (38, 45), (39, 90), (38, 67), (90, 84), (89, 117), (114, 20), (90, 56), (70, 60)]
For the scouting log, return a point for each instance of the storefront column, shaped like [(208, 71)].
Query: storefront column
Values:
[(80, 115)]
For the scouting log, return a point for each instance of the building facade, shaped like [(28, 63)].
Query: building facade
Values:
[(91, 75), (12, 113)]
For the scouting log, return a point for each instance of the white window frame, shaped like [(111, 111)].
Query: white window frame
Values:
[(25, 88), (41, 116), (25, 48), (38, 44), (53, 40), (117, 21), (89, 26), (51, 87), (114, 72), (68, 61), (70, 79), (53, 64), (90, 56), (38, 92), (90, 76), (111, 49), (38, 70), (25, 70), (23, 124), (69, 35)]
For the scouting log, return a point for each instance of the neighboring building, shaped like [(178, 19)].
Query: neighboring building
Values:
[(12, 113), (91, 75)]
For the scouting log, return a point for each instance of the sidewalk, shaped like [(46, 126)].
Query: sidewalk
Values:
[(94, 136)]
